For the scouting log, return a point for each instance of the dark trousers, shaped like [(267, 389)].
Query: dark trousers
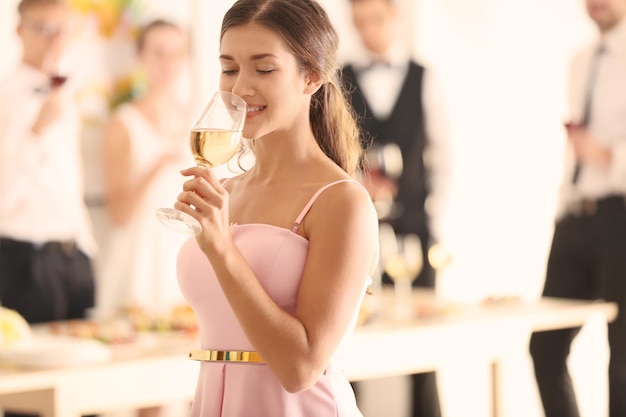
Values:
[(587, 261), (45, 282), (424, 392), (424, 386)]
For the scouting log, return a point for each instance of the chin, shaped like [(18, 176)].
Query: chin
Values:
[(252, 133)]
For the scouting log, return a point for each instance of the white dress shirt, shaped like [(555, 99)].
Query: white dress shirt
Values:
[(41, 177), (607, 119), (381, 85)]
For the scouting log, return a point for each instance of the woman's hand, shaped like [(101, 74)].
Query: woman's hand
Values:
[(206, 200)]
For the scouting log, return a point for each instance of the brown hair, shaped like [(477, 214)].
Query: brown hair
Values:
[(309, 34), (24, 5), (145, 30)]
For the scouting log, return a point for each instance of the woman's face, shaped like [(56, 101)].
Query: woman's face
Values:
[(164, 55), (258, 66)]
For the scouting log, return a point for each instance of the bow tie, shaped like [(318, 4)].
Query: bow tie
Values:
[(380, 63)]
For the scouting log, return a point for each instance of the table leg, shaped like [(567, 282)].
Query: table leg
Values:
[(495, 388)]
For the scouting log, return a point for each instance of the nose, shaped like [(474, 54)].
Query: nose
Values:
[(242, 86)]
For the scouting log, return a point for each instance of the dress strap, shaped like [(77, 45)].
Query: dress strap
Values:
[(305, 210)]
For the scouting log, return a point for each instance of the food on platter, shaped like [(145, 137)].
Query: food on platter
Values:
[(180, 319), (114, 331), (14, 330), (126, 327)]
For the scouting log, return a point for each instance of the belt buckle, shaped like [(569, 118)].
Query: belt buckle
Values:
[(68, 247), (585, 207), (589, 207)]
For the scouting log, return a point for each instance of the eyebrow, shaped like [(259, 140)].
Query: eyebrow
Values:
[(252, 58)]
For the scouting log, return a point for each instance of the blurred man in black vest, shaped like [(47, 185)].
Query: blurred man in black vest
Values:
[(401, 118)]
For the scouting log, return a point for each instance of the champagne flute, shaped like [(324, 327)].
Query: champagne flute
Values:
[(215, 138), (404, 263)]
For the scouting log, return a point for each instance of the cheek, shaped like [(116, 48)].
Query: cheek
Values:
[(175, 68), (226, 83)]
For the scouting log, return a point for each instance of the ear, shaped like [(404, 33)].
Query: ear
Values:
[(313, 83)]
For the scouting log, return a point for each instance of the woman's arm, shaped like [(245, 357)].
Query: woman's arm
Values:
[(342, 229), (123, 196)]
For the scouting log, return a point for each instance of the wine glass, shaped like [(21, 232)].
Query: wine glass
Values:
[(57, 69), (403, 263), (215, 138), (384, 165)]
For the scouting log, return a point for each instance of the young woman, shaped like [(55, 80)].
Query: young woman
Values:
[(144, 147), (282, 263)]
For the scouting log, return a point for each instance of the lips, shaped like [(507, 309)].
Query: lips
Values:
[(254, 109)]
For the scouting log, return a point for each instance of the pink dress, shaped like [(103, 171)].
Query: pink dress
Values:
[(277, 256)]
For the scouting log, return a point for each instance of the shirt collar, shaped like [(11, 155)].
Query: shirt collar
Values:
[(395, 57)]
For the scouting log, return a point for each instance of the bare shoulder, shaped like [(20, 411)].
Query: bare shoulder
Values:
[(348, 193), (346, 202), (343, 221)]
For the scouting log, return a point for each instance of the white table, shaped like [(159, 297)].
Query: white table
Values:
[(483, 332), (139, 375), (143, 377)]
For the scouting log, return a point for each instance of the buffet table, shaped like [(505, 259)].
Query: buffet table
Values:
[(449, 333), (154, 370), (149, 373)]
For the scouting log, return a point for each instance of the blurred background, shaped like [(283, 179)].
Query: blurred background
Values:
[(503, 66)]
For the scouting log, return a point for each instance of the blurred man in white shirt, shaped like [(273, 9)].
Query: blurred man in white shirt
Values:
[(45, 235), (588, 254)]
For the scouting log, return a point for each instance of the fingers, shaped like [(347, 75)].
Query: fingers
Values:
[(206, 186), (202, 193), (186, 208), (202, 173)]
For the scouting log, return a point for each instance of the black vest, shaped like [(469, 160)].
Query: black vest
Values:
[(405, 127)]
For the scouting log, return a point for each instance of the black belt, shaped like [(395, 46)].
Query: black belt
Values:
[(66, 247), (589, 207)]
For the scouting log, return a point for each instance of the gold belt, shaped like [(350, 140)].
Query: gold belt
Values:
[(226, 356)]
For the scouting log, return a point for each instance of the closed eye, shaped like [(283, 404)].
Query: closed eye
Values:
[(265, 71), (229, 71)]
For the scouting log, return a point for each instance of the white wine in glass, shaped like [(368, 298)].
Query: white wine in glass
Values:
[(213, 147), (215, 138), (403, 264)]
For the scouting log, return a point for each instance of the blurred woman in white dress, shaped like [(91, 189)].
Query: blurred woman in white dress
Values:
[(144, 147)]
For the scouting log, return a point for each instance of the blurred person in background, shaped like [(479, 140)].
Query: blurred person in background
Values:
[(144, 147), (400, 108), (46, 240), (588, 255)]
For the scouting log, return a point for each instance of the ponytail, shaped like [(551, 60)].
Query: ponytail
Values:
[(335, 127)]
